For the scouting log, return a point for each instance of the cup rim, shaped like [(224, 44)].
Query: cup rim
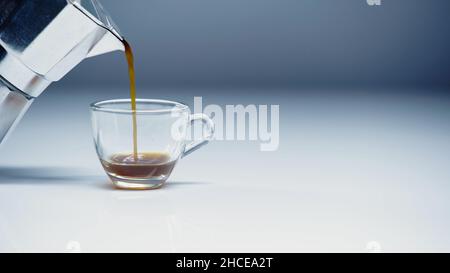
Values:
[(101, 106)]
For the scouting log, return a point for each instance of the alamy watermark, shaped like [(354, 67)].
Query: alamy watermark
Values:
[(73, 247), (374, 2), (236, 123), (374, 247)]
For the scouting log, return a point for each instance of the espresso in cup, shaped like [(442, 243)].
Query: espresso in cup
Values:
[(143, 166), (161, 128)]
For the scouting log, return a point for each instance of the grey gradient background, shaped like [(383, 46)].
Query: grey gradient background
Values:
[(277, 44)]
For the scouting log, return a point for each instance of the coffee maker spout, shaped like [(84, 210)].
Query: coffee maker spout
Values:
[(108, 43), (112, 39)]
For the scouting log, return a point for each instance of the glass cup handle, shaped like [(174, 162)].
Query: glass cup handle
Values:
[(196, 144)]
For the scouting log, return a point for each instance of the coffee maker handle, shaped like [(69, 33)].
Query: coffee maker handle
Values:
[(196, 144), (13, 104)]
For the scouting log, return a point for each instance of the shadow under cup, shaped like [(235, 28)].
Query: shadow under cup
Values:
[(139, 148)]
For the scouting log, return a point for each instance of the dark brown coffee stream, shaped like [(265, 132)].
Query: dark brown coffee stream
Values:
[(131, 74)]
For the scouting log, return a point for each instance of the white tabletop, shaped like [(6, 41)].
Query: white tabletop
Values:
[(353, 173)]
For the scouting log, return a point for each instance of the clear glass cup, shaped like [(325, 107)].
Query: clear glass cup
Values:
[(143, 156)]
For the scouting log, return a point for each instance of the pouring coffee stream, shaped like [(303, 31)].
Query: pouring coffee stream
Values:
[(130, 60)]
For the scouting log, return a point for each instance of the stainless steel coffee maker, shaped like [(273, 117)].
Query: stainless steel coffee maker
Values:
[(40, 42)]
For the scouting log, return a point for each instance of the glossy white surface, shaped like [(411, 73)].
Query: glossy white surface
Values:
[(353, 173)]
